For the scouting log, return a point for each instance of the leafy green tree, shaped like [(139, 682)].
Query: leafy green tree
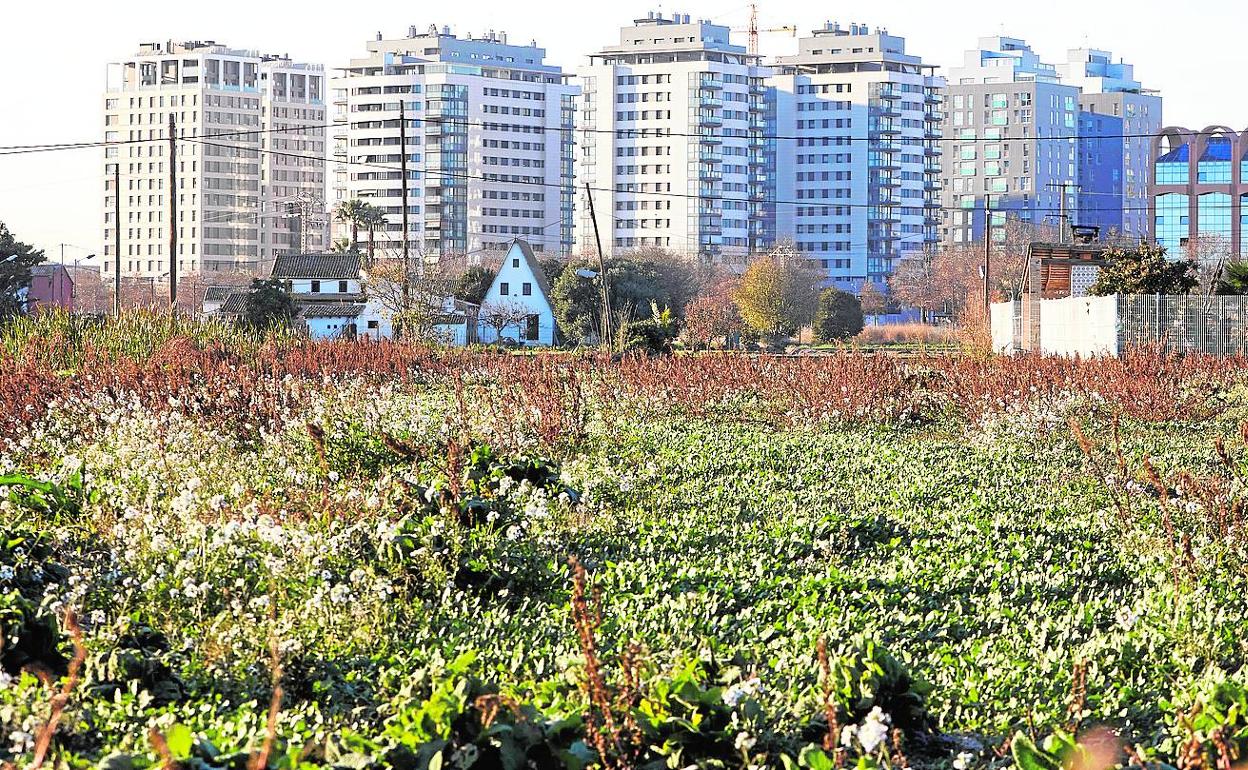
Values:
[(268, 305), (473, 283), (778, 294), (838, 316), (1143, 269), (1234, 279), (680, 279), (553, 267), (651, 335), (16, 260), (635, 289)]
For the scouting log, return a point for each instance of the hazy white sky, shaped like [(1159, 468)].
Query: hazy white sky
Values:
[(53, 57)]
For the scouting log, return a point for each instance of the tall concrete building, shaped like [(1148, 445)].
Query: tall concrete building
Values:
[(1047, 142), (1117, 123), (1011, 133), (858, 154), (489, 143), (672, 133), (243, 122)]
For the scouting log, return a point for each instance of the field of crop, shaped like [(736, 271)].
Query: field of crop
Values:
[(225, 552)]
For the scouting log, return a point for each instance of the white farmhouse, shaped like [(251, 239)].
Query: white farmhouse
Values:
[(330, 294), (517, 306)]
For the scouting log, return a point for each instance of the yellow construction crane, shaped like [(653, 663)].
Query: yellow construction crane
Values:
[(754, 30)]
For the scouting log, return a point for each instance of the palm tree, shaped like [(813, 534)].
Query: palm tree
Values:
[(1234, 279), (371, 218), (353, 211)]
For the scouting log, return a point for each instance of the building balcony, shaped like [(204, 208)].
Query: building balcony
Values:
[(931, 152), (934, 116), (933, 98), (710, 84), (889, 94), (707, 101), (709, 139), (705, 119), (707, 175), (710, 157), (888, 112)]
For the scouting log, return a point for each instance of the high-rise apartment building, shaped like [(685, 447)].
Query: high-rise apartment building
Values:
[(1118, 120), (673, 130), (250, 149), (858, 151), (1200, 190), (1011, 133), (489, 129), (1048, 144)]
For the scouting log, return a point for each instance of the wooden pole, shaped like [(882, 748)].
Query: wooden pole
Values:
[(173, 217), (602, 274), (117, 237)]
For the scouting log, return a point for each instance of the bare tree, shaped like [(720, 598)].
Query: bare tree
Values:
[(502, 314), (1211, 252), (414, 311)]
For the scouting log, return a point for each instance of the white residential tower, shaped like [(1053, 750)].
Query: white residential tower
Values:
[(672, 142), (250, 134), (489, 143)]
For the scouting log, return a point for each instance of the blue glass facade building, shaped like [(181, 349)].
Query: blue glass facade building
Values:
[(1200, 189)]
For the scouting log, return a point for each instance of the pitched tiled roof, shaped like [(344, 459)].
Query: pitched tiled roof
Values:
[(331, 310), (218, 293), (235, 304), (328, 266)]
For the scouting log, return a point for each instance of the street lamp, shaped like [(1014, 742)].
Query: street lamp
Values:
[(151, 283), (73, 286)]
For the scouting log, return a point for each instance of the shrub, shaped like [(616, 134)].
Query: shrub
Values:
[(838, 316)]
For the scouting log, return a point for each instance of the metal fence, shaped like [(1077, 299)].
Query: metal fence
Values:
[(1184, 323)]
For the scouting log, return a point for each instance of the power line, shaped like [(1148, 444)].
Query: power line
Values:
[(817, 203), (26, 149), (623, 133)]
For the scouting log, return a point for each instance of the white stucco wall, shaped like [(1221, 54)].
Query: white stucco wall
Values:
[(327, 328), (1083, 326), (1002, 323), (328, 286)]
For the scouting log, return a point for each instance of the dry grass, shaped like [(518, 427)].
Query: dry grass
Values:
[(908, 333)]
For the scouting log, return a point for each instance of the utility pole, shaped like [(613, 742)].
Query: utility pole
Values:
[(602, 273), (407, 291), (987, 250), (173, 217), (1063, 217), (117, 237)]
